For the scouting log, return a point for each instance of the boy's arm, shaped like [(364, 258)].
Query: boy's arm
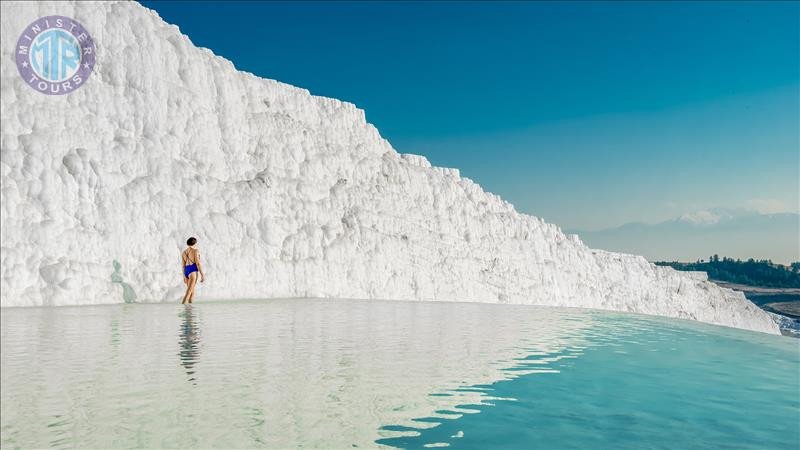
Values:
[(183, 276), (199, 266)]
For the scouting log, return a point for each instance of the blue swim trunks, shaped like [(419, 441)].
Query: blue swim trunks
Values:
[(189, 269)]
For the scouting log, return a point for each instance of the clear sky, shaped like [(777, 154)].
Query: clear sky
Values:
[(588, 114)]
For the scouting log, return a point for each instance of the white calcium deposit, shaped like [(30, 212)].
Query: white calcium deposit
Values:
[(289, 194)]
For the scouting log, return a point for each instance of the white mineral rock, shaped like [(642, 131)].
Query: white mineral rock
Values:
[(289, 194)]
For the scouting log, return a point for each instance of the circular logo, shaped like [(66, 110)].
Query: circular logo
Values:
[(55, 55)]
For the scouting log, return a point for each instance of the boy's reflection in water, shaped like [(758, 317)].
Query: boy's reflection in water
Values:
[(189, 341)]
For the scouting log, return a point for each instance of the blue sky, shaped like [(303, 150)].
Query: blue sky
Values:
[(588, 114)]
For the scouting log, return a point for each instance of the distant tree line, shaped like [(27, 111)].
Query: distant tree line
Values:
[(751, 272)]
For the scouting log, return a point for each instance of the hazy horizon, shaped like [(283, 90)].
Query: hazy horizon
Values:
[(736, 234)]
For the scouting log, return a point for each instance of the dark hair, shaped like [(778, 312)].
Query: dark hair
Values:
[(191, 241)]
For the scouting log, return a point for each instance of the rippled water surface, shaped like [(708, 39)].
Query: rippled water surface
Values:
[(346, 373)]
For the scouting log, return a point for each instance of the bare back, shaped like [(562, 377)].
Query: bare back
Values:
[(189, 256)]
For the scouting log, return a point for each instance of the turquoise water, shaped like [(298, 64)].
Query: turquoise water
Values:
[(657, 386), (346, 373)]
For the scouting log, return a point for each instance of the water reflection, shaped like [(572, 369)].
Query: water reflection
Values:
[(311, 373), (307, 373), (189, 341)]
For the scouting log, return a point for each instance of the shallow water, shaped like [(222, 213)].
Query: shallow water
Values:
[(345, 373)]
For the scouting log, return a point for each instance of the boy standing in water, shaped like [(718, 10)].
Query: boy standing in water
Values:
[(190, 263)]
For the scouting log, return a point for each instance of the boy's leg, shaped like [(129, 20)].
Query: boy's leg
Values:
[(188, 288), (192, 284)]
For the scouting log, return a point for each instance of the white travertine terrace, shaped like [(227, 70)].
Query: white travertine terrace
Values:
[(289, 194)]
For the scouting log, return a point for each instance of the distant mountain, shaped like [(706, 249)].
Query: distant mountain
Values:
[(698, 235)]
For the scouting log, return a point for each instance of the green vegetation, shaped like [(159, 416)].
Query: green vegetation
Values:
[(763, 273)]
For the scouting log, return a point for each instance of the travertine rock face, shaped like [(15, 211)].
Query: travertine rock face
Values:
[(290, 195)]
